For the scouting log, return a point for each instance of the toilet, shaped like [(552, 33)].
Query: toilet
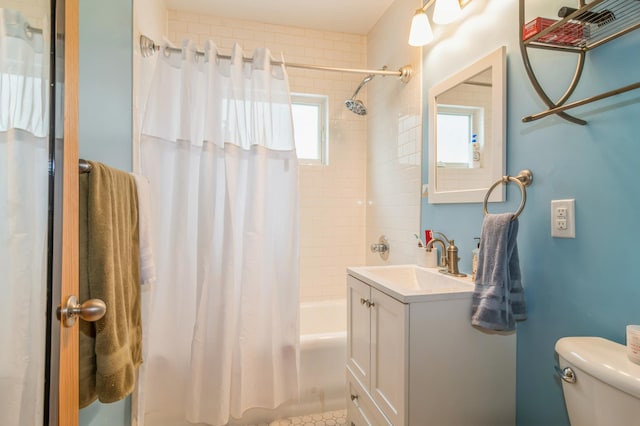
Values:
[(606, 389)]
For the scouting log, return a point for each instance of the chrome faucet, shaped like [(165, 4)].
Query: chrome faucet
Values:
[(381, 247), (443, 258), (450, 259)]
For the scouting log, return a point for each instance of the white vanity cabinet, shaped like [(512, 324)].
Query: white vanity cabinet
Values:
[(376, 350), (418, 361)]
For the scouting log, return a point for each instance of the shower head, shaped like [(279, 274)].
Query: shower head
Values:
[(356, 105)]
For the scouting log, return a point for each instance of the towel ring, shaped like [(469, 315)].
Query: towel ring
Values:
[(524, 179)]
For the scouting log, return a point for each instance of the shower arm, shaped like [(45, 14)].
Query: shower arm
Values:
[(361, 85)]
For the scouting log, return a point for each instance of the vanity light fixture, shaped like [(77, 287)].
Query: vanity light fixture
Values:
[(420, 33), (445, 12)]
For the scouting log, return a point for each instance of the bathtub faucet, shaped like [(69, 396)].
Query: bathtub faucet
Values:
[(381, 247), (449, 257)]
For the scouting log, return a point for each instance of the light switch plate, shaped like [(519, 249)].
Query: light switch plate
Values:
[(563, 218)]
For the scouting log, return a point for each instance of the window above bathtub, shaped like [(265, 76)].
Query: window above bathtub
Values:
[(311, 130)]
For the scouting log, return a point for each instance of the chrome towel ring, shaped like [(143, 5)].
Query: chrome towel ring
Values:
[(524, 179)]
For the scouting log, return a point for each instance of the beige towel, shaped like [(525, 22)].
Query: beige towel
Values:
[(110, 348)]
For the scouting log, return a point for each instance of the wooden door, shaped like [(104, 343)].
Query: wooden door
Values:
[(68, 372)]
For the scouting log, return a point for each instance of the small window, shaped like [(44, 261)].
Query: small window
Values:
[(310, 128)]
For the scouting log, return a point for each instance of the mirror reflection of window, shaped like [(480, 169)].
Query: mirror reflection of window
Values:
[(459, 128)]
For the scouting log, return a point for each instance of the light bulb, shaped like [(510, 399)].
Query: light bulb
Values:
[(446, 11), (420, 33)]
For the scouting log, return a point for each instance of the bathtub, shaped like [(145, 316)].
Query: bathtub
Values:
[(323, 352)]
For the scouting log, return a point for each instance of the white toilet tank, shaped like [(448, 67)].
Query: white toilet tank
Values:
[(606, 391)]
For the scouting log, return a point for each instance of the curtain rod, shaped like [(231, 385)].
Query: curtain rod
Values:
[(29, 29), (148, 48)]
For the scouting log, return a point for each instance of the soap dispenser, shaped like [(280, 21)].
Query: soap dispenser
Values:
[(474, 259)]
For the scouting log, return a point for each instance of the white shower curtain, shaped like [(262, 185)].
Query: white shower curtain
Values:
[(222, 330), (23, 218)]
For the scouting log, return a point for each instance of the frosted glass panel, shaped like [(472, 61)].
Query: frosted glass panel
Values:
[(24, 128)]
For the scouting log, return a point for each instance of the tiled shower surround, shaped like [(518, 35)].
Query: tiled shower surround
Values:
[(334, 208), (394, 145)]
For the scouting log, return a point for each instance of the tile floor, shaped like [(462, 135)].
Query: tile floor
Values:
[(330, 418)]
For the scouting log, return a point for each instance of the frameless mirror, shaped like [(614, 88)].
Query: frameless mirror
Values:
[(467, 132)]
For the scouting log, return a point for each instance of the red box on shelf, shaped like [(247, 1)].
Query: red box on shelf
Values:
[(569, 34)]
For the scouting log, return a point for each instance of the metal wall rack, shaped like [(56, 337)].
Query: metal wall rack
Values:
[(597, 23)]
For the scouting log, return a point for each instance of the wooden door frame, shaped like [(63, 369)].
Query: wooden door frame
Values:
[(69, 337)]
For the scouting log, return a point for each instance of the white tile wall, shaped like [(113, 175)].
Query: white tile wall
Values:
[(395, 138), (332, 197)]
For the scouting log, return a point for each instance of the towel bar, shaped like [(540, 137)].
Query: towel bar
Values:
[(524, 179), (84, 166)]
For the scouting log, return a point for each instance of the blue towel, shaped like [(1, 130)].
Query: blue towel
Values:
[(498, 298)]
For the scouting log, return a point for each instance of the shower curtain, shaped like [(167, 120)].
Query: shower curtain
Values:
[(23, 218), (222, 326)]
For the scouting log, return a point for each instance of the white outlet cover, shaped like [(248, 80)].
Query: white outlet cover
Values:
[(563, 212)]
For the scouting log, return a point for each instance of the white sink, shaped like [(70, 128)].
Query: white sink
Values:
[(409, 283)]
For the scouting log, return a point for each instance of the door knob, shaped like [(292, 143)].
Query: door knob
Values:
[(91, 310)]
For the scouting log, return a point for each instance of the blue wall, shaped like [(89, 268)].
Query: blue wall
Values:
[(106, 31), (105, 120), (582, 286)]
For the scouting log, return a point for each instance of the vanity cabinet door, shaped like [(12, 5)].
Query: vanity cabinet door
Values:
[(358, 330), (361, 411), (389, 356)]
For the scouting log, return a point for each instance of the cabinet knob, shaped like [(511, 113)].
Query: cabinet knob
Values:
[(367, 302), (354, 397)]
